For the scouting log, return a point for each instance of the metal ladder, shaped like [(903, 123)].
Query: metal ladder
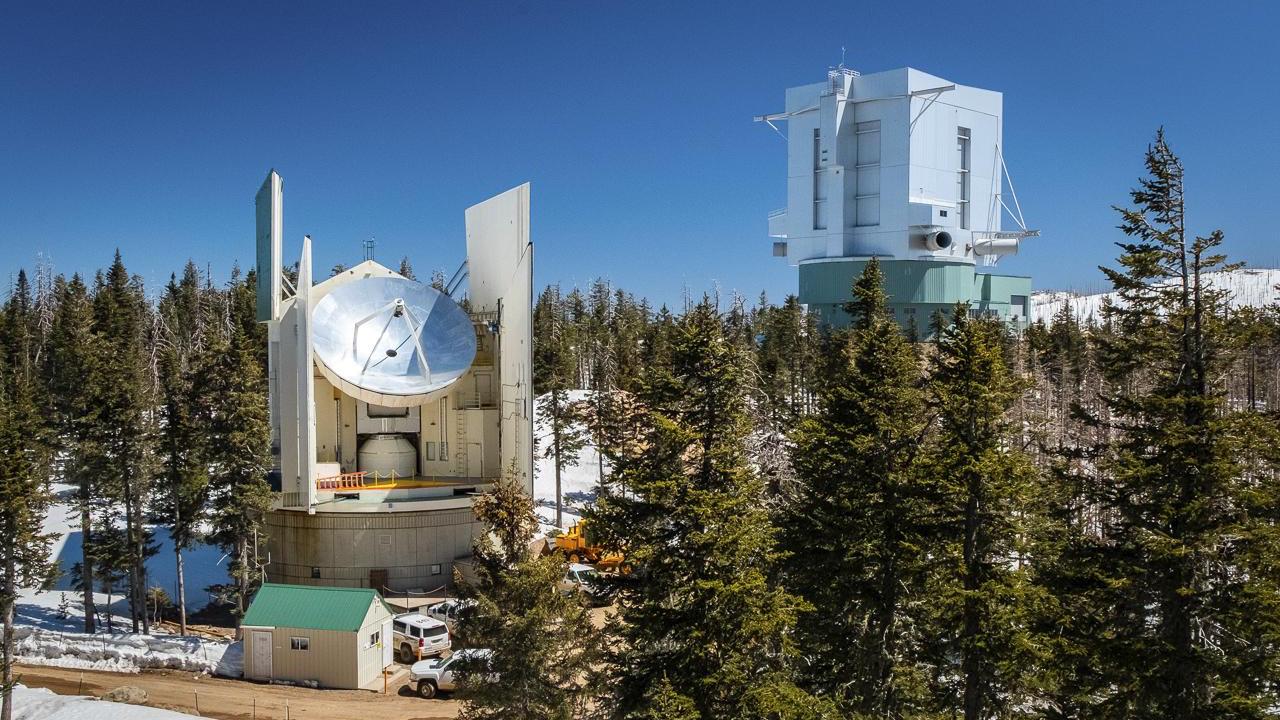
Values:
[(460, 441)]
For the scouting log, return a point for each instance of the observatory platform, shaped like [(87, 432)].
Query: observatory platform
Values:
[(393, 403)]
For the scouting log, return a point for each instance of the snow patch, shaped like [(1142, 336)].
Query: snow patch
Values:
[(127, 653), (1248, 287), (578, 481), (42, 704), (201, 564)]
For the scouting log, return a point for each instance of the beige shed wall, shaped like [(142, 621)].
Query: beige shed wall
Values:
[(369, 657), (331, 660)]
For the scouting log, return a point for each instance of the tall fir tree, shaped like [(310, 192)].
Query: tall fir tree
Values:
[(541, 642), (563, 433), (183, 477), (981, 592), (699, 619), (233, 413), (859, 521), (1181, 600), (406, 268), (24, 491), (123, 425), (72, 370)]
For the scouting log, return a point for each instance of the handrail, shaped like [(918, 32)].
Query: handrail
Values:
[(345, 481)]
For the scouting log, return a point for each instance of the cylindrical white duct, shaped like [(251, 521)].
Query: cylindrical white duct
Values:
[(940, 240), (388, 455), (995, 247)]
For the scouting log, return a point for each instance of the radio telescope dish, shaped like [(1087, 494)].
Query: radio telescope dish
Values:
[(391, 341)]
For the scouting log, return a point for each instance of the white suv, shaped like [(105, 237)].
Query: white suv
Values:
[(436, 676), (417, 636), (447, 611)]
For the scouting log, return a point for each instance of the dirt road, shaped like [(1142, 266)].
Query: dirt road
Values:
[(243, 700)]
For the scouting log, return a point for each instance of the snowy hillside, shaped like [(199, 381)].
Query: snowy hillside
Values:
[(577, 481), (1249, 287)]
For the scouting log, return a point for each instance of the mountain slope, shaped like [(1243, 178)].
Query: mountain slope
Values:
[(1249, 287)]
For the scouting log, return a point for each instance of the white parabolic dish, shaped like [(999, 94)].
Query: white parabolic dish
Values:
[(391, 341)]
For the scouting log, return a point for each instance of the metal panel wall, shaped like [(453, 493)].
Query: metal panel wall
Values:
[(500, 261)]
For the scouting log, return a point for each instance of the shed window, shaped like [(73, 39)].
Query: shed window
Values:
[(375, 637), (299, 643)]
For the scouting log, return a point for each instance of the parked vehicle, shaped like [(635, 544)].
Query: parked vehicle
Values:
[(447, 611), (585, 579), (436, 676), (417, 636), (577, 547)]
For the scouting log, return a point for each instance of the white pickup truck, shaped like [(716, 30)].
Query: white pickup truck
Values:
[(437, 675)]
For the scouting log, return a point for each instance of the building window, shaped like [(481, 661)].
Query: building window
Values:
[(315, 573), (431, 451), (1018, 306), (375, 638), (867, 198), (299, 643), (962, 176), (436, 569), (819, 202)]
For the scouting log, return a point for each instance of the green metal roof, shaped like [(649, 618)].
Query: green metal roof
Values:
[(310, 607)]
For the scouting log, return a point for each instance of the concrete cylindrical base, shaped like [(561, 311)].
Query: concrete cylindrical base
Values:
[(401, 550)]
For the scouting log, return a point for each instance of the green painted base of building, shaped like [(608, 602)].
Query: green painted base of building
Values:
[(917, 289)]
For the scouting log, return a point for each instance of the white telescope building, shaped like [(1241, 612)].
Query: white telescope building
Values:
[(393, 403), (906, 167)]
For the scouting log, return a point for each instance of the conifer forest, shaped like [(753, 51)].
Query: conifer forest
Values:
[(1070, 520)]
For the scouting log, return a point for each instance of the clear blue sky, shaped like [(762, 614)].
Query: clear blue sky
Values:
[(150, 128)]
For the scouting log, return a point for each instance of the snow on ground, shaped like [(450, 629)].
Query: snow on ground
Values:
[(578, 481), (203, 566), (127, 652), (49, 622), (1249, 287), (42, 704)]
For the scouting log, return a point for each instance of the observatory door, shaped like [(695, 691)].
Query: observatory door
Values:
[(475, 460)]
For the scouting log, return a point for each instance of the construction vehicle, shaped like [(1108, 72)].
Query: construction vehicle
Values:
[(578, 549)]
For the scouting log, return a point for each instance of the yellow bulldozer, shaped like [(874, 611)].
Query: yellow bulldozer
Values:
[(576, 547)]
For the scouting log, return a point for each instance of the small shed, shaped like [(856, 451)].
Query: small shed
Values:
[(331, 636)]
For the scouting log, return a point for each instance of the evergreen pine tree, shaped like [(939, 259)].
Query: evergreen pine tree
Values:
[(24, 492), (122, 426), (1183, 604), (698, 618), (406, 268), (541, 641), (233, 415), (980, 588), (859, 521), (555, 375), (72, 371), (183, 479)]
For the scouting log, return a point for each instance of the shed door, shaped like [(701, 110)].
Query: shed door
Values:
[(387, 641), (261, 642)]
